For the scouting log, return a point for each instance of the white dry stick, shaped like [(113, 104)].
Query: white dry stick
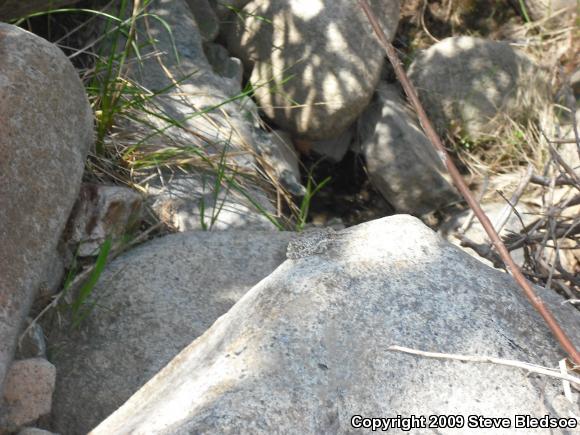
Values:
[(566, 384), (492, 360)]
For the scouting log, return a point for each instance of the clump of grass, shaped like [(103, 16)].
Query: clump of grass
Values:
[(132, 144), (513, 145), (312, 188)]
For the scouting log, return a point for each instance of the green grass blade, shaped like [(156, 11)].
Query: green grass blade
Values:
[(87, 289), (307, 199)]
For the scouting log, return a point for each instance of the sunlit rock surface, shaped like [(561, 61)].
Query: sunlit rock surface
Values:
[(307, 347), (315, 64), (472, 87), (401, 162)]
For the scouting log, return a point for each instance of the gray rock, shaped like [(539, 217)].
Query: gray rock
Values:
[(102, 212), (28, 393), (12, 9), (222, 63), (319, 56), (401, 161), (201, 112), (52, 276), (334, 149), (280, 159), (152, 302), (34, 431), (32, 344), (193, 202), (470, 85), (45, 134), (202, 105), (205, 18), (307, 347)]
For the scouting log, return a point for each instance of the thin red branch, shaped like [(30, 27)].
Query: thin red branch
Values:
[(433, 137)]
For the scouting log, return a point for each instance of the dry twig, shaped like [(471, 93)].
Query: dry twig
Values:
[(554, 373)]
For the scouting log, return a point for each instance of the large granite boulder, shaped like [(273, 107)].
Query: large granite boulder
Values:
[(401, 161), (315, 65), (45, 134), (471, 86), (151, 303), (308, 347)]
